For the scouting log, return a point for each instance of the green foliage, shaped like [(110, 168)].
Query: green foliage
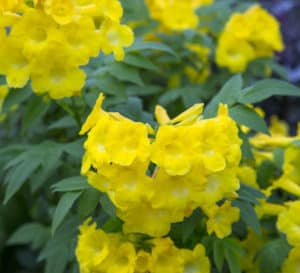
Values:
[(44, 198)]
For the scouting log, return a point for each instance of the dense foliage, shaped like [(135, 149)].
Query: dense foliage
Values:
[(130, 145)]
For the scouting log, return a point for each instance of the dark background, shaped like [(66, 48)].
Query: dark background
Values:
[(288, 13)]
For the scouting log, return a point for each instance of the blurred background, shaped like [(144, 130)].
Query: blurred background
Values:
[(288, 13)]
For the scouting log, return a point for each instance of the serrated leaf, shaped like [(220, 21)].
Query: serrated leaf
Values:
[(15, 97), (35, 110), (65, 122), (267, 88), (18, 176), (107, 205), (244, 115), (145, 91), (248, 215), (246, 148), (63, 207), (110, 85), (250, 194), (229, 94), (272, 255), (170, 96), (140, 45), (62, 237), (75, 183), (87, 202), (58, 262), (218, 254), (233, 261), (140, 61), (33, 233), (232, 252), (124, 72)]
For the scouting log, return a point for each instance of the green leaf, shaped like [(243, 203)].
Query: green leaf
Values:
[(18, 176), (15, 97), (75, 183), (232, 252), (63, 123), (170, 96), (107, 205), (60, 239), (218, 254), (87, 202), (272, 255), (110, 85), (33, 233), (35, 110), (63, 207), (147, 90), (229, 94), (58, 262), (124, 72), (233, 261), (248, 215), (247, 116), (250, 194), (267, 88), (140, 45), (246, 148), (140, 61)]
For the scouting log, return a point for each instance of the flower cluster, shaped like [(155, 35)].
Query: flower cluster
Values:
[(176, 15), (248, 36), (158, 178), (98, 251), (47, 41), (264, 149)]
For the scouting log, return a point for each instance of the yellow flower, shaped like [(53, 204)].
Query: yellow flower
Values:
[(62, 11), (113, 37), (92, 248), (195, 261), (143, 263), (181, 190), (248, 36), (221, 218), (14, 65), (121, 260), (173, 150), (3, 93), (292, 263), (228, 54), (48, 40), (289, 223), (94, 116), (10, 5), (144, 218), (166, 257), (176, 15)]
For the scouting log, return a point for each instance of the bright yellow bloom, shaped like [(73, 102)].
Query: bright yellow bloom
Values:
[(113, 37), (195, 261), (10, 5), (93, 247), (143, 263), (176, 15), (157, 178), (221, 218), (292, 263), (50, 40), (3, 93), (248, 36), (166, 257), (289, 223)]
